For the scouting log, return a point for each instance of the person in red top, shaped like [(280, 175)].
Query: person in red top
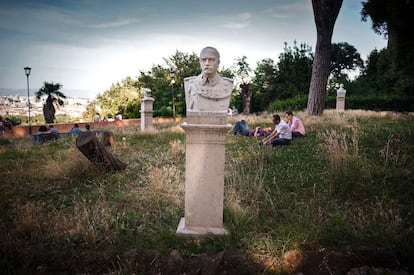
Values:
[(295, 124)]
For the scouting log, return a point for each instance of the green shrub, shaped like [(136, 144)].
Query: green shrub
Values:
[(15, 120), (380, 103), (394, 103), (295, 103)]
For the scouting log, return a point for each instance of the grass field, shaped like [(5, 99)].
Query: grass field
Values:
[(348, 186)]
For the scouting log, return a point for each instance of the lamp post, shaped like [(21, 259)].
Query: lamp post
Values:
[(27, 72), (172, 74)]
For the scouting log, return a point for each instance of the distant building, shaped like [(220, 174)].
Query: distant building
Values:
[(17, 106)]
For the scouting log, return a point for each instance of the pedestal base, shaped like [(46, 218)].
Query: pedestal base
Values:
[(340, 104), (204, 173), (182, 229)]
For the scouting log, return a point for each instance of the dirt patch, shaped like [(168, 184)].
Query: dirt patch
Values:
[(46, 261)]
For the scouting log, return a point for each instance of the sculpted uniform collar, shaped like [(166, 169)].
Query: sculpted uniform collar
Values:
[(210, 81)]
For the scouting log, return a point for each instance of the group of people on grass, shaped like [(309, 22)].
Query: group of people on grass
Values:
[(76, 130), (50, 132), (46, 133), (282, 134)]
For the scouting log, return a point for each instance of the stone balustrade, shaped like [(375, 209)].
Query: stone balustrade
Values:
[(23, 130)]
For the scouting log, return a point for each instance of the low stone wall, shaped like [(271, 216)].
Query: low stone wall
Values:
[(23, 130)]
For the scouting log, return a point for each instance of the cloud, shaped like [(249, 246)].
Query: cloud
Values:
[(89, 44), (115, 24), (240, 21), (289, 10)]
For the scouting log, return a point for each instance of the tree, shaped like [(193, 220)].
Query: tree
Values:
[(294, 71), (158, 80), (263, 84), (241, 70), (184, 65), (288, 78), (121, 99), (344, 57), (394, 20), (54, 98), (91, 110), (325, 13), (378, 77)]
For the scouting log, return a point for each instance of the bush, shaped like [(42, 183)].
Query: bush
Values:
[(381, 103), (15, 120), (394, 103), (295, 103)]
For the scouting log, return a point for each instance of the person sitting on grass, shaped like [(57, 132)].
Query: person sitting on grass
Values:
[(295, 124), (282, 135), (76, 129), (38, 136), (53, 132)]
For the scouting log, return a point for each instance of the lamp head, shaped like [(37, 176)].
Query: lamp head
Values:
[(27, 70)]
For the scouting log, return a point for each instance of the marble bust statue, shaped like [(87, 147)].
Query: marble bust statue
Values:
[(208, 91), (147, 92)]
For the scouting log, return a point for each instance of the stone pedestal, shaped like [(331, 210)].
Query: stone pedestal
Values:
[(204, 173), (340, 98), (147, 110)]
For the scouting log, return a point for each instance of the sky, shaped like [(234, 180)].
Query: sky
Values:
[(87, 45)]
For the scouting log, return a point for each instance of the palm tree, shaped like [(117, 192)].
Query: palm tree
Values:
[(54, 97)]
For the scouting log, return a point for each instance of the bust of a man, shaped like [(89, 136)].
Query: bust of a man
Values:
[(208, 91), (147, 92)]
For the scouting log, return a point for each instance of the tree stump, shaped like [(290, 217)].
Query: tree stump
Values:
[(96, 152)]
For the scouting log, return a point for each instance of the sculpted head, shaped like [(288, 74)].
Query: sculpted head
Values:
[(209, 61)]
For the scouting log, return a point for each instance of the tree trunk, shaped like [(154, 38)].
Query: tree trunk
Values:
[(49, 112), (247, 98), (96, 152), (325, 13)]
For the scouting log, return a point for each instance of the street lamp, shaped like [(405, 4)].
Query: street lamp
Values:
[(27, 72), (172, 74)]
